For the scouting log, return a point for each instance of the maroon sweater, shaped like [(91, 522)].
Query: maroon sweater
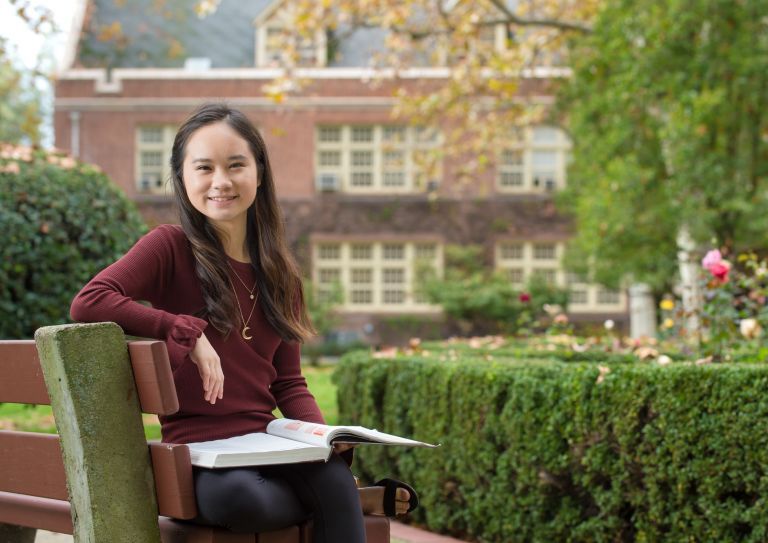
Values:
[(259, 374)]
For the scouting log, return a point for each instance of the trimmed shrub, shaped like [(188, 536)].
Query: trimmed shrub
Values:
[(549, 451), (62, 222)]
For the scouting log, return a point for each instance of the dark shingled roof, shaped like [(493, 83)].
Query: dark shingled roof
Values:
[(165, 37), (164, 34)]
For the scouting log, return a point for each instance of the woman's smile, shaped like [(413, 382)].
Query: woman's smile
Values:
[(222, 201)]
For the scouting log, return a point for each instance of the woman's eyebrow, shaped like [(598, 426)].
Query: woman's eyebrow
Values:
[(233, 157)]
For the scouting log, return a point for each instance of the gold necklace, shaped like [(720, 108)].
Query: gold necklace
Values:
[(244, 331), (250, 290)]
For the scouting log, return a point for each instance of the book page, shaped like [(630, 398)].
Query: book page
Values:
[(306, 432), (323, 435)]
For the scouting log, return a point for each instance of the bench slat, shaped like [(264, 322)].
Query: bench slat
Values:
[(35, 512), (153, 376), (22, 377), (55, 516), (31, 464)]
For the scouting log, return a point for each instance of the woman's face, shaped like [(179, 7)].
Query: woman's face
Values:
[(220, 175)]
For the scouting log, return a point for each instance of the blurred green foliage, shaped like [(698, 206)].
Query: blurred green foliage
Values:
[(62, 221), (667, 112), (481, 300)]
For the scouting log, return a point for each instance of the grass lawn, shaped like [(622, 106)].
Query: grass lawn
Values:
[(38, 418)]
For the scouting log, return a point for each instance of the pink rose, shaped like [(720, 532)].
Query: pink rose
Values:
[(710, 259), (525, 297), (719, 270)]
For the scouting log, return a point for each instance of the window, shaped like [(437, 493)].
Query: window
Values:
[(394, 252), (329, 251), (426, 251), (521, 261), (534, 160), (579, 296), (511, 170), (376, 276), (607, 297), (549, 276), (377, 158), (327, 281), (362, 252), (277, 47), (516, 275), (511, 251), (544, 251), (153, 155)]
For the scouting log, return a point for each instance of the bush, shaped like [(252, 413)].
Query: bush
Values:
[(547, 451), (479, 300), (62, 221)]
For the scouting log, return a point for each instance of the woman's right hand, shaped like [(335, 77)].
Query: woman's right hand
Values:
[(209, 365)]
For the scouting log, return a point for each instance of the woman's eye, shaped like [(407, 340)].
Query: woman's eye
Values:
[(203, 168), (237, 165)]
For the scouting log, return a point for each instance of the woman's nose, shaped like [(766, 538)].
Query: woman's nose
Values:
[(221, 179)]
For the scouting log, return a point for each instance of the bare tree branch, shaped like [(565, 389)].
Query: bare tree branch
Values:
[(553, 23)]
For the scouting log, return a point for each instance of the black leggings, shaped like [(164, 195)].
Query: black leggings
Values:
[(266, 498)]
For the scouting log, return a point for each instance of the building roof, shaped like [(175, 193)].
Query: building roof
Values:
[(148, 33)]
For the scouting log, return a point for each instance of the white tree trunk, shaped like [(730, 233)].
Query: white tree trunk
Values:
[(689, 283), (642, 311)]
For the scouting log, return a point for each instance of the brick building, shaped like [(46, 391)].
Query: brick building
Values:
[(360, 208)]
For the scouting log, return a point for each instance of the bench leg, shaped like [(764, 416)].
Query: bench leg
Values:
[(16, 534)]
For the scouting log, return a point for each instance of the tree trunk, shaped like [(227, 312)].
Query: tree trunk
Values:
[(689, 283)]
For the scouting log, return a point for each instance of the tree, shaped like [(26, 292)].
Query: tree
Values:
[(483, 94), (20, 97), (20, 110), (667, 112)]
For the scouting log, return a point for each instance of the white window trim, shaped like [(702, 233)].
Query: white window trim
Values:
[(528, 264), (377, 264), (169, 133), (410, 146), (561, 146), (262, 30)]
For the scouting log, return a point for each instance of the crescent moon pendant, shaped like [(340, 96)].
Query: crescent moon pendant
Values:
[(244, 333)]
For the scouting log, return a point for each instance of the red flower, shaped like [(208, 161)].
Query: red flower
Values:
[(719, 271), (525, 297)]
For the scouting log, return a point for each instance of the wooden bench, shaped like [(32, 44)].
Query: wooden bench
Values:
[(98, 479)]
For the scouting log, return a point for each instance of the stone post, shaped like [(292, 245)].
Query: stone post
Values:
[(642, 311), (109, 476)]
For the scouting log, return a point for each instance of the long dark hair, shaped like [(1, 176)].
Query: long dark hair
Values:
[(277, 276)]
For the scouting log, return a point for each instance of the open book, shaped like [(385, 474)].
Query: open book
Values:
[(287, 441)]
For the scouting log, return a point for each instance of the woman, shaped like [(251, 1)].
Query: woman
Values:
[(226, 297)]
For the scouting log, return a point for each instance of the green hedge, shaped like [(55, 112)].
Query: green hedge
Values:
[(548, 451), (62, 221)]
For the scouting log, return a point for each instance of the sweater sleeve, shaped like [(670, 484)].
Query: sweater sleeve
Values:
[(290, 387), (141, 274)]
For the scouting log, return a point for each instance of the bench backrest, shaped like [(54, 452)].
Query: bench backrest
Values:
[(98, 390)]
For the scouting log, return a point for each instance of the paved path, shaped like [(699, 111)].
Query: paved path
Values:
[(409, 534), (400, 532)]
